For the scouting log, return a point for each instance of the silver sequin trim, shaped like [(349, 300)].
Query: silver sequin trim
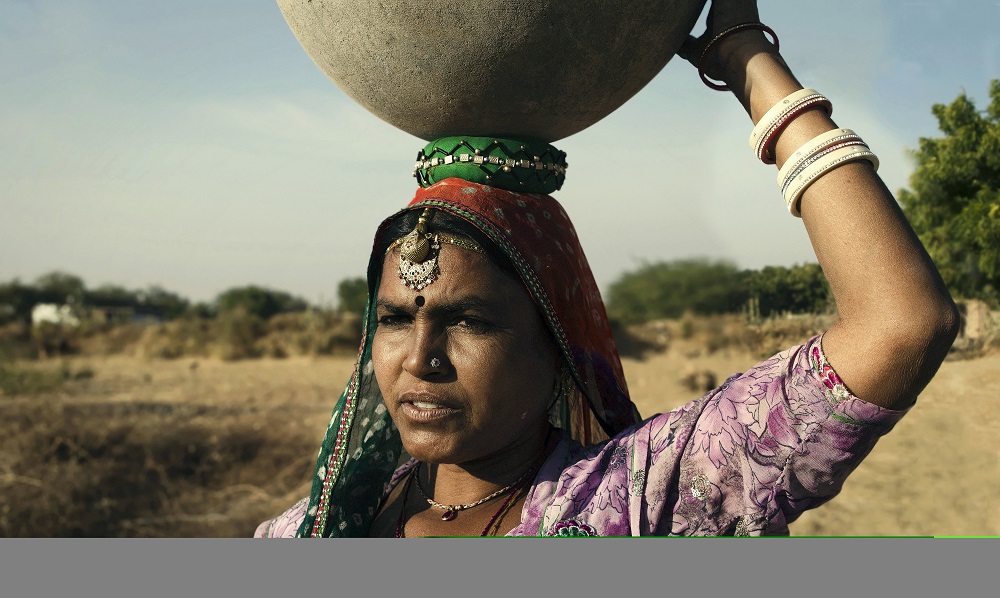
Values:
[(701, 488), (743, 526), (638, 480)]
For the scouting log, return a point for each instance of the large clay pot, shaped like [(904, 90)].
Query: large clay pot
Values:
[(542, 69)]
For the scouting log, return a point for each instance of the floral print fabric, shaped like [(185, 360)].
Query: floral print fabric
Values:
[(745, 459)]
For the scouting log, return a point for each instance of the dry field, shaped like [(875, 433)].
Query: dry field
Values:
[(202, 447)]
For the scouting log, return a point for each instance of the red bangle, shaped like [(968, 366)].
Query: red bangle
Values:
[(765, 150), (734, 29)]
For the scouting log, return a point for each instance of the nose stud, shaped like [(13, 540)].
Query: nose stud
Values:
[(435, 362)]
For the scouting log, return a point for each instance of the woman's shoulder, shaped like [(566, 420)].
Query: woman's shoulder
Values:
[(770, 443), (802, 380), (285, 525), (675, 472)]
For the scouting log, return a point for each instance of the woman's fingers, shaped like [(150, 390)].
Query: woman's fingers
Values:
[(690, 50), (722, 15), (726, 13)]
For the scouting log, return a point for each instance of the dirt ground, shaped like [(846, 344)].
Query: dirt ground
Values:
[(936, 473)]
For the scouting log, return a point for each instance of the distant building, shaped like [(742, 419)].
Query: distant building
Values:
[(52, 313), (123, 312), (977, 320)]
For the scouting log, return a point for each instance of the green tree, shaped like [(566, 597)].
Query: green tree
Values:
[(258, 301), (954, 200), (200, 309), (110, 294), (60, 287), (668, 289), (172, 304), (799, 289), (154, 300), (352, 295), (16, 301)]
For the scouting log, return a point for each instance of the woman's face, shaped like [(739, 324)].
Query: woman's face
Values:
[(494, 369)]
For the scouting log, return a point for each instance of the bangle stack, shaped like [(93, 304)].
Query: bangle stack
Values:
[(814, 158), (817, 156)]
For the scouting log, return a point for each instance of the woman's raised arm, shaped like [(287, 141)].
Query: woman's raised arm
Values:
[(896, 320)]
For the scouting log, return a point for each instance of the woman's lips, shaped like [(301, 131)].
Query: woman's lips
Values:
[(424, 408)]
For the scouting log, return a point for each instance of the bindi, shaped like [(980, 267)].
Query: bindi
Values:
[(419, 300)]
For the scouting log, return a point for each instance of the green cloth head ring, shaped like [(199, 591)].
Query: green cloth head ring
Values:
[(511, 164)]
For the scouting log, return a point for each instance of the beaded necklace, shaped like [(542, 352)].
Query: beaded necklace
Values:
[(494, 522), (451, 511)]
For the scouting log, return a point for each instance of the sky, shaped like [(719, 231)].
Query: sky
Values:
[(194, 145)]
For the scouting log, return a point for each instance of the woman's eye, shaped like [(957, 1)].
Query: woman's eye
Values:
[(391, 321), (472, 324)]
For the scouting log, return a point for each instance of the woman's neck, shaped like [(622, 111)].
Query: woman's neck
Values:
[(466, 483)]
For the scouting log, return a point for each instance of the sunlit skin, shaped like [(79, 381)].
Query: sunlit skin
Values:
[(896, 320), (479, 419)]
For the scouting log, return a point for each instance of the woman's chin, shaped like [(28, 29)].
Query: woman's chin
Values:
[(430, 448)]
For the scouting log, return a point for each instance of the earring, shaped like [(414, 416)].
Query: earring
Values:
[(561, 387)]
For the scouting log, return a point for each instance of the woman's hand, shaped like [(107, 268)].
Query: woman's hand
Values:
[(722, 15)]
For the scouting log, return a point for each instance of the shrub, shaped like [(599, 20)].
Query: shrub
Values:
[(668, 289), (799, 289), (237, 334), (352, 294), (258, 301)]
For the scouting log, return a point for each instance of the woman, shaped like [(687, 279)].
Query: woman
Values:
[(492, 364)]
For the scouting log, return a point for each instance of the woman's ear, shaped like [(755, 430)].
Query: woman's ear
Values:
[(562, 381)]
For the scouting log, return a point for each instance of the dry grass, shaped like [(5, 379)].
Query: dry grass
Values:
[(232, 336), (708, 335), (129, 445), (159, 448), (16, 379)]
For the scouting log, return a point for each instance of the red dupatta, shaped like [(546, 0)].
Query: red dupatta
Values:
[(538, 236)]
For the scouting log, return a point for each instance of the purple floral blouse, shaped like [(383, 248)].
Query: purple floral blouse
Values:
[(745, 459)]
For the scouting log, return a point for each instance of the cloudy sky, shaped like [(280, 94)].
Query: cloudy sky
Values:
[(194, 144)]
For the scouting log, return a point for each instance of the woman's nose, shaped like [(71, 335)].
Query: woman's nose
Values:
[(427, 353)]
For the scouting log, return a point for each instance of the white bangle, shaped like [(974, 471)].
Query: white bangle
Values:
[(809, 148), (801, 182), (818, 156), (772, 114), (780, 115)]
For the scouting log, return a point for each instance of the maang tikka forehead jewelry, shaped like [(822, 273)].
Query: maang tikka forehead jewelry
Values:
[(418, 252)]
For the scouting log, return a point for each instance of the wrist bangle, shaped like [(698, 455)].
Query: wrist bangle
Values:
[(734, 29), (765, 133), (821, 167), (765, 148), (816, 157), (794, 164), (775, 111)]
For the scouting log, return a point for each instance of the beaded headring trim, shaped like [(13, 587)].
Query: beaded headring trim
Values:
[(418, 252), (520, 165)]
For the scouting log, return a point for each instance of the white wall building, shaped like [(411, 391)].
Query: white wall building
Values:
[(53, 314)]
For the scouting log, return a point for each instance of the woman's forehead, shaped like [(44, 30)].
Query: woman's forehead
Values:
[(462, 274)]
